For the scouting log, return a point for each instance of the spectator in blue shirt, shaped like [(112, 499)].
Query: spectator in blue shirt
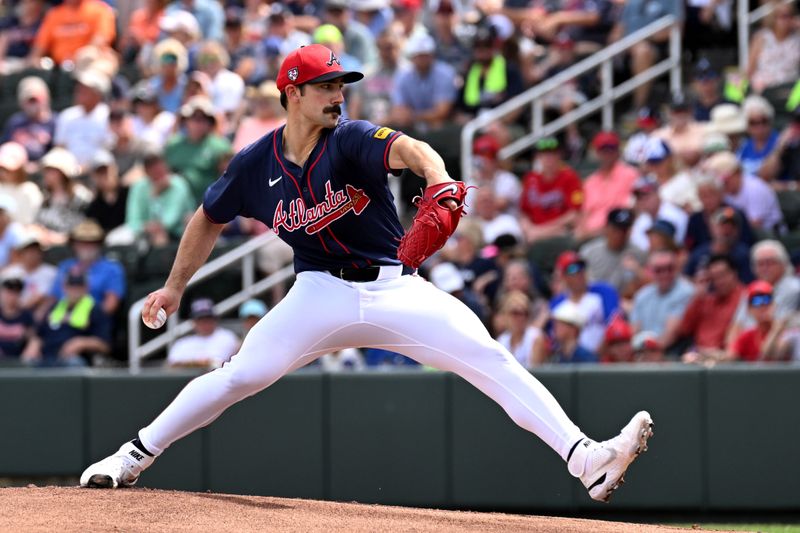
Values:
[(18, 31), (34, 125), (105, 277), (761, 138), (424, 93)]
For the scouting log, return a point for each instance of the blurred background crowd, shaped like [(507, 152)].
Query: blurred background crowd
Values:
[(673, 237)]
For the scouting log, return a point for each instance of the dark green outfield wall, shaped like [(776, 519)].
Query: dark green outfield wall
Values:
[(726, 438)]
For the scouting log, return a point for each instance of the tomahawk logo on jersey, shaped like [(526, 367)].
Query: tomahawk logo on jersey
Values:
[(331, 216)]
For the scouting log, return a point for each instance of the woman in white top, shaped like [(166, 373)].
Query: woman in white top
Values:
[(519, 332), (775, 51)]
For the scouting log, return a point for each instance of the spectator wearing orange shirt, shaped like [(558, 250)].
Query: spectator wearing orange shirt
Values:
[(552, 194), (144, 25), (71, 26), (609, 187)]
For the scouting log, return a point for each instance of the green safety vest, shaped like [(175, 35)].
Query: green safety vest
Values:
[(495, 81), (78, 318), (794, 98)]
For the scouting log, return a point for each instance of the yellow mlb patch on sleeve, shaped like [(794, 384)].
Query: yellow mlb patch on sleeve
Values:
[(382, 133)]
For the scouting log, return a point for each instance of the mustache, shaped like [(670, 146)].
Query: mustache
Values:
[(333, 109)]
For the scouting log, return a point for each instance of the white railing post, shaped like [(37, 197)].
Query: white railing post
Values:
[(607, 85), (467, 133), (675, 58), (743, 27), (134, 336), (538, 116), (248, 271)]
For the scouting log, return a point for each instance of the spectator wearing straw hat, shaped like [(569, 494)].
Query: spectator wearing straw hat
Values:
[(195, 154), (83, 128), (34, 125), (171, 62), (105, 277)]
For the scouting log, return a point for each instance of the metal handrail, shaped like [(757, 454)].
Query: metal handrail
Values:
[(175, 328), (746, 19), (609, 94)]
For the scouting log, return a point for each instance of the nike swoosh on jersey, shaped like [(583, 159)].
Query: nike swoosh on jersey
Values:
[(276, 180)]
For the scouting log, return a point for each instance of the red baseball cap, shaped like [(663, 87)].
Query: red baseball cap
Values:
[(566, 259), (605, 139), (313, 64), (618, 330), (486, 145), (759, 287)]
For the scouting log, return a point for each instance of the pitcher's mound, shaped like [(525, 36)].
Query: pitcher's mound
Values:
[(71, 509)]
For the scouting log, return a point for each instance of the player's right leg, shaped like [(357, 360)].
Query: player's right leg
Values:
[(303, 326)]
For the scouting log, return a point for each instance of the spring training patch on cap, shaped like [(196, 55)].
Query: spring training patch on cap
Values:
[(293, 73)]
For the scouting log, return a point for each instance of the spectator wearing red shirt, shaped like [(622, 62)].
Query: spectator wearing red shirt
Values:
[(710, 313), (759, 342), (552, 194)]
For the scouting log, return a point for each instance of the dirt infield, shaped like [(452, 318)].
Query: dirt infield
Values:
[(71, 509)]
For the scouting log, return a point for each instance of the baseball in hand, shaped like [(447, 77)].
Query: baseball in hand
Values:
[(161, 318)]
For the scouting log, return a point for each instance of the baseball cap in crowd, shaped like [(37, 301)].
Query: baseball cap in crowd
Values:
[(87, 231), (198, 103), (202, 308), (102, 158), (570, 262), (265, 91), (663, 227), (546, 144), (94, 79), (620, 217), (144, 92), (727, 119), (13, 279), (408, 5), (312, 64), (606, 140), (8, 204), (647, 117), (253, 308), (715, 142), (645, 340), (656, 151), (369, 5), (32, 87), (419, 43), (703, 70), (679, 103), (722, 164), (486, 146), (645, 184), (13, 156), (759, 293), (180, 20), (618, 330), (726, 215), (569, 312), (26, 241), (446, 277)]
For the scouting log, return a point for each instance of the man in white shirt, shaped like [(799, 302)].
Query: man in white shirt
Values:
[(227, 88), (746, 192), (83, 128), (209, 346)]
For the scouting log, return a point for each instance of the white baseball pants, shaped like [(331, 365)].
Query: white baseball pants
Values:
[(404, 314)]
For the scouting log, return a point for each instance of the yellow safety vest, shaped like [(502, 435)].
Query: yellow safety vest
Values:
[(494, 82), (78, 317)]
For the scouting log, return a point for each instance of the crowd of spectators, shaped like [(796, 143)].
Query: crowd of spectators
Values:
[(665, 235)]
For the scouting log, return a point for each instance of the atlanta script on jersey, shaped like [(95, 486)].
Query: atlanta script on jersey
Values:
[(335, 212)]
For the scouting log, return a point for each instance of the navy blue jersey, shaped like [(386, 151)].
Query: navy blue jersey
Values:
[(335, 212)]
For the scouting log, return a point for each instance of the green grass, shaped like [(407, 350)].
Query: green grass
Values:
[(763, 528)]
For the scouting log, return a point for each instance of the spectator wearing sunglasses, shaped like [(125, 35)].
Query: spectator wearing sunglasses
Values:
[(762, 138), (759, 342), (659, 306)]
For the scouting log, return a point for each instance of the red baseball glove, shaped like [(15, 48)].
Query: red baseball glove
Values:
[(433, 223)]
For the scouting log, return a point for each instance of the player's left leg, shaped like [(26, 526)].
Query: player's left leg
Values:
[(412, 317)]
